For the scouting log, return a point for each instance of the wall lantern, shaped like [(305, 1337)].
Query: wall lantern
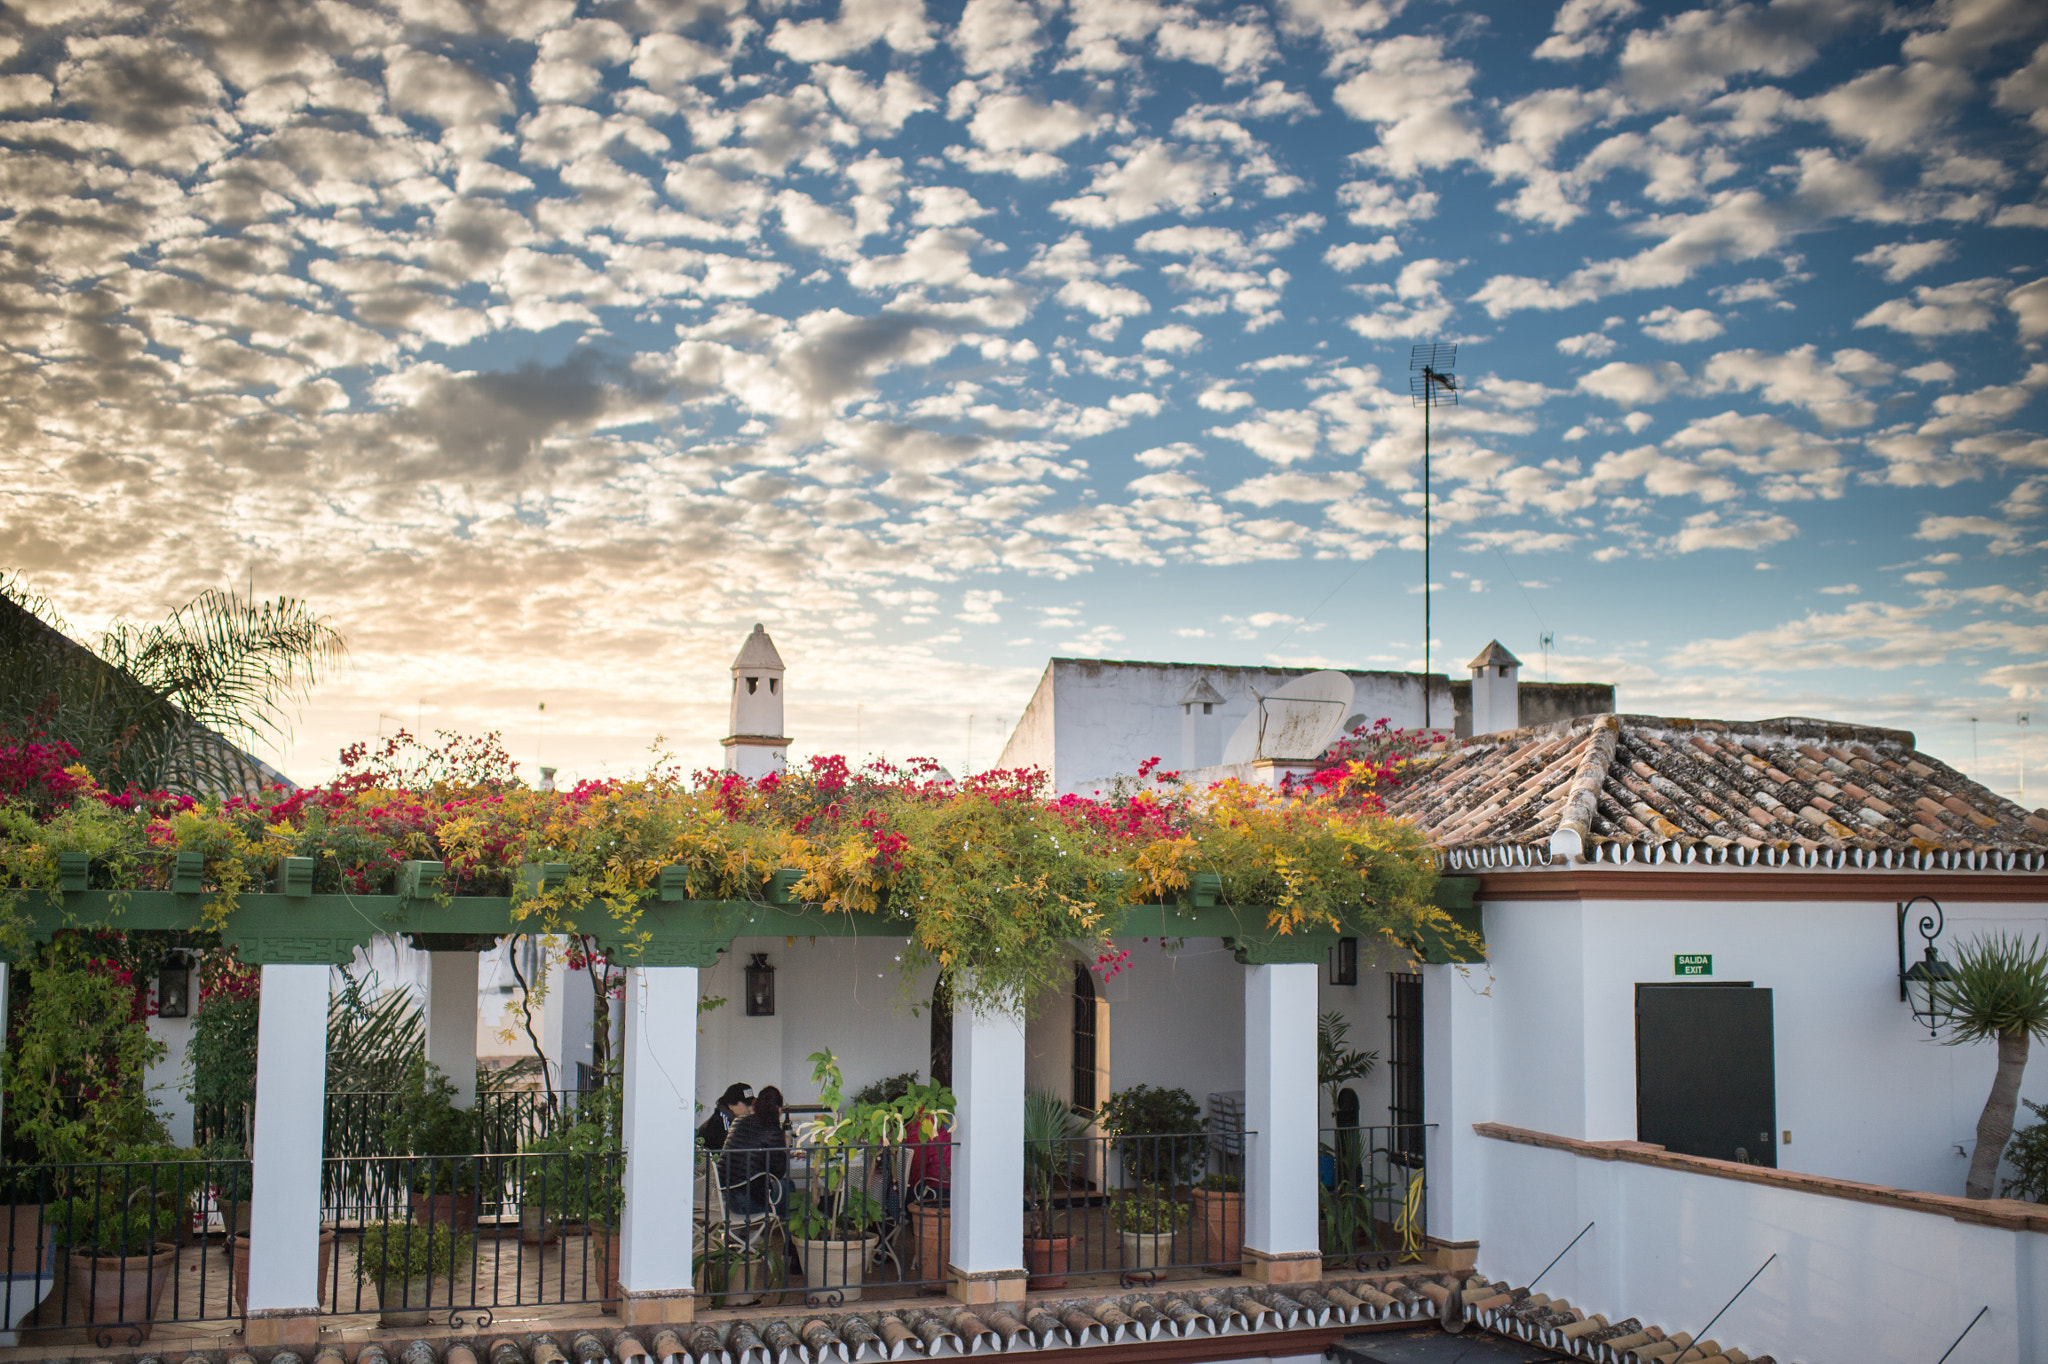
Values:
[(760, 987), (174, 987), (1344, 962), (1921, 984)]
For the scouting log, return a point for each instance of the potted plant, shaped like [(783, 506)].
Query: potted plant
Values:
[(31, 1257), (1050, 1125), (403, 1259), (120, 1251), (1147, 1222), (424, 1122), (1160, 1138), (835, 1234), (1219, 1204)]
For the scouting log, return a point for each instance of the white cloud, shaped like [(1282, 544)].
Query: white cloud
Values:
[(2029, 304), (1174, 339), (1901, 260), (2001, 537), (860, 25), (1799, 378), (1148, 177), (1627, 384), (1349, 256), (997, 36), (1678, 325), (1281, 437), (1593, 345), (1414, 96), (1939, 310), (1706, 530)]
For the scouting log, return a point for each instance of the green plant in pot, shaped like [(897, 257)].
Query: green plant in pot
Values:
[(424, 1122), (403, 1259), (119, 1249), (1159, 1131), (1146, 1221), (572, 1174), (1050, 1127)]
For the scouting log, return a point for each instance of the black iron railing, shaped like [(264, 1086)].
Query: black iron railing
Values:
[(506, 1120), (831, 1224), (419, 1236), (1135, 1207), (115, 1246), (1372, 1195)]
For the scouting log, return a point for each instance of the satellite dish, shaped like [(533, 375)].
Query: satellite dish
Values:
[(1296, 722)]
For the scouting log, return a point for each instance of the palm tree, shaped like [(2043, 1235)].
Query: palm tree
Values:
[(165, 706), (1998, 989)]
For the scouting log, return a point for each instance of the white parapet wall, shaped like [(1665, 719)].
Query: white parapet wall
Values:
[(1862, 1272)]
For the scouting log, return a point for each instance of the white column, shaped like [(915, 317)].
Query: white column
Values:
[(986, 1260), (660, 1141), (451, 1020), (1280, 1242), (291, 1101), (1457, 1091)]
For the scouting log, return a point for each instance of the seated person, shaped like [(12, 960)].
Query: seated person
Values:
[(755, 1149), (734, 1104)]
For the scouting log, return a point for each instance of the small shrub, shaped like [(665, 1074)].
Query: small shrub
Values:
[(2028, 1155), (1161, 1134), (106, 1223), (395, 1251), (1146, 1213), (1221, 1184)]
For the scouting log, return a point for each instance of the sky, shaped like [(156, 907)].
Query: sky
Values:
[(547, 346)]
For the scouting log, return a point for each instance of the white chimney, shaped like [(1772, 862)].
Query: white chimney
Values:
[(1496, 691), (756, 744), (1201, 726)]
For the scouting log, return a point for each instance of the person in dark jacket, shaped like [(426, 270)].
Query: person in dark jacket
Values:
[(755, 1149), (734, 1104)]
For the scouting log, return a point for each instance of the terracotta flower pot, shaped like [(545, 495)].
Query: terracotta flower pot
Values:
[(121, 1288), (608, 1267), (28, 1243), (405, 1302), (456, 1211), (238, 1257), (1221, 1216), (536, 1227), (934, 1223), (1046, 1258)]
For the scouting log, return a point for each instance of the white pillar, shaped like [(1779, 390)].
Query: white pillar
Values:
[(291, 1101), (986, 1259), (451, 1020), (660, 1141), (1280, 1213), (1457, 1091)]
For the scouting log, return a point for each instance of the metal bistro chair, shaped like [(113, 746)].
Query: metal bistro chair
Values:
[(728, 1235)]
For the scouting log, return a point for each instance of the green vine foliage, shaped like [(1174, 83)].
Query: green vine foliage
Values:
[(2027, 1153), (76, 1071)]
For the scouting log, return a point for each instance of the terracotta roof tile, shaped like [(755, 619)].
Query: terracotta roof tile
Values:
[(1786, 792)]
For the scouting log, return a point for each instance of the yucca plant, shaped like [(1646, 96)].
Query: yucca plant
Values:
[(1050, 1126), (1998, 990)]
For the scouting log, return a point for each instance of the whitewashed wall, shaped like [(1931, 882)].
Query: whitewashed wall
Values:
[(1853, 1281), (1863, 1091), (846, 994), (165, 1081), (1089, 721)]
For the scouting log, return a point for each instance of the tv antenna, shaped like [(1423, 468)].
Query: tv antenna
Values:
[(1431, 380), (1546, 642), (2024, 717)]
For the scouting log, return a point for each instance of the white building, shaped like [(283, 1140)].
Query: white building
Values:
[(1090, 720)]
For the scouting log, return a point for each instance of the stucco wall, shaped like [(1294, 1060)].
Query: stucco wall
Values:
[(1864, 1092), (1107, 717), (847, 994), (1853, 1281)]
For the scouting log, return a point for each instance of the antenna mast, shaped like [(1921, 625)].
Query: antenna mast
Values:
[(1431, 380)]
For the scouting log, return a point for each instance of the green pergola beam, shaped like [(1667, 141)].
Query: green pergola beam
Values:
[(295, 926)]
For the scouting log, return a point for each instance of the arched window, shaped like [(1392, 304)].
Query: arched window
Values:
[(1084, 1038)]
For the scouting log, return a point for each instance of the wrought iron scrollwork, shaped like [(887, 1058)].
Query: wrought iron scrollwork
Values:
[(482, 1319), (104, 1337), (830, 1297), (1140, 1278)]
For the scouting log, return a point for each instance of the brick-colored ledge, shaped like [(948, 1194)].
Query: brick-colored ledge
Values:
[(2010, 1214)]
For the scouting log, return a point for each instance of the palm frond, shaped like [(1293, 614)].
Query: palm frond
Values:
[(372, 1039), (1999, 987)]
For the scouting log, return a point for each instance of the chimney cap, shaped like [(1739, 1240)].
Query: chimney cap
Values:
[(1494, 656), (1201, 692), (758, 651)]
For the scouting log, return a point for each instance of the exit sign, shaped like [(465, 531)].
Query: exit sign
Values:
[(1692, 964)]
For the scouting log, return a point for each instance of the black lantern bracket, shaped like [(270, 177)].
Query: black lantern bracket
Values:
[(1919, 983), (760, 978)]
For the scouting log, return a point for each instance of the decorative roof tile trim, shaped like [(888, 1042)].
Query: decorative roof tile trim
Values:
[(1554, 1324), (1785, 793)]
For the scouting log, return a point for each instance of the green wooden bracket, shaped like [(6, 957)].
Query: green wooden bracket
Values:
[(672, 885), (73, 868), (1204, 889), (782, 884), (419, 880), (541, 877), (295, 877), (188, 873)]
